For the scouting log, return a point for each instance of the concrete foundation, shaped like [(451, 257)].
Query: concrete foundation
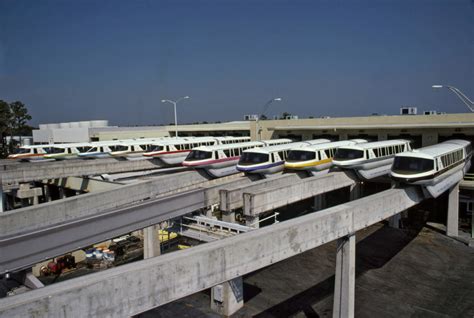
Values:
[(151, 242), (252, 221), (228, 216), (452, 226), (344, 285), (228, 297)]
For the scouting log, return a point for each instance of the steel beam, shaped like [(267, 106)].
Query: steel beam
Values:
[(134, 288), (272, 198)]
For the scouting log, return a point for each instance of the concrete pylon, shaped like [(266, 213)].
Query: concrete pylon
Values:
[(452, 226), (355, 191), (228, 216), (394, 221), (344, 288), (252, 221), (228, 297), (2, 199), (151, 242), (319, 202)]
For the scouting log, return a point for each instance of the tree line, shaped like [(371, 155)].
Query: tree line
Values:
[(13, 122)]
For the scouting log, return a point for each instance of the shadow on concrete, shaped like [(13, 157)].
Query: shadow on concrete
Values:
[(372, 252)]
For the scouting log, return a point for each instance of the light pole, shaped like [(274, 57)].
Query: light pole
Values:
[(469, 103), (175, 116), (264, 109)]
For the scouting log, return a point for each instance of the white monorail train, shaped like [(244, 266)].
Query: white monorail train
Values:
[(437, 168), (30, 152), (174, 152), (66, 151), (316, 158), (221, 160), (370, 160), (270, 160)]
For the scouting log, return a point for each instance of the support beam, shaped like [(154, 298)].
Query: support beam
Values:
[(2, 200), (151, 242), (134, 288), (228, 297), (87, 205), (231, 197), (252, 221), (12, 175), (452, 226), (272, 198), (344, 285)]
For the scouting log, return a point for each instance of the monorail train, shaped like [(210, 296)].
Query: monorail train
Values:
[(437, 168), (270, 160), (174, 152), (318, 157), (100, 149), (370, 160), (221, 160), (66, 151), (30, 152)]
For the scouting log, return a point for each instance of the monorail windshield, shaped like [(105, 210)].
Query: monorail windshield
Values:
[(199, 155), (348, 154), (252, 158), (412, 165), (300, 155)]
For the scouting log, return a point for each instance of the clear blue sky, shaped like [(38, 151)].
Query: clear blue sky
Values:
[(80, 60)]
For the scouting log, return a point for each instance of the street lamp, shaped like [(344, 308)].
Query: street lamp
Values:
[(264, 109), (469, 103), (174, 105)]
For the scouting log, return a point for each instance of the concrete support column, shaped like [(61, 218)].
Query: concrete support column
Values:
[(228, 297), (344, 288), (228, 216), (61, 193), (319, 202), (394, 221), (2, 200), (452, 225), (355, 191), (47, 193), (252, 221), (151, 242)]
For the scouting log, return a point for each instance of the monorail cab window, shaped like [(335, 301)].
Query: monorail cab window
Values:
[(348, 154), (196, 155), (301, 155), (252, 158), (412, 165)]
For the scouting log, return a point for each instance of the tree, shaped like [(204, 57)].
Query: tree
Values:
[(19, 117), (5, 125)]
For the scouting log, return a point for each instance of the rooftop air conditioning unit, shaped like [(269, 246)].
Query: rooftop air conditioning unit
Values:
[(408, 111)]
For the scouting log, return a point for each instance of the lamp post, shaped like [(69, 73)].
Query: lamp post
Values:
[(469, 103), (264, 109), (175, 116)]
